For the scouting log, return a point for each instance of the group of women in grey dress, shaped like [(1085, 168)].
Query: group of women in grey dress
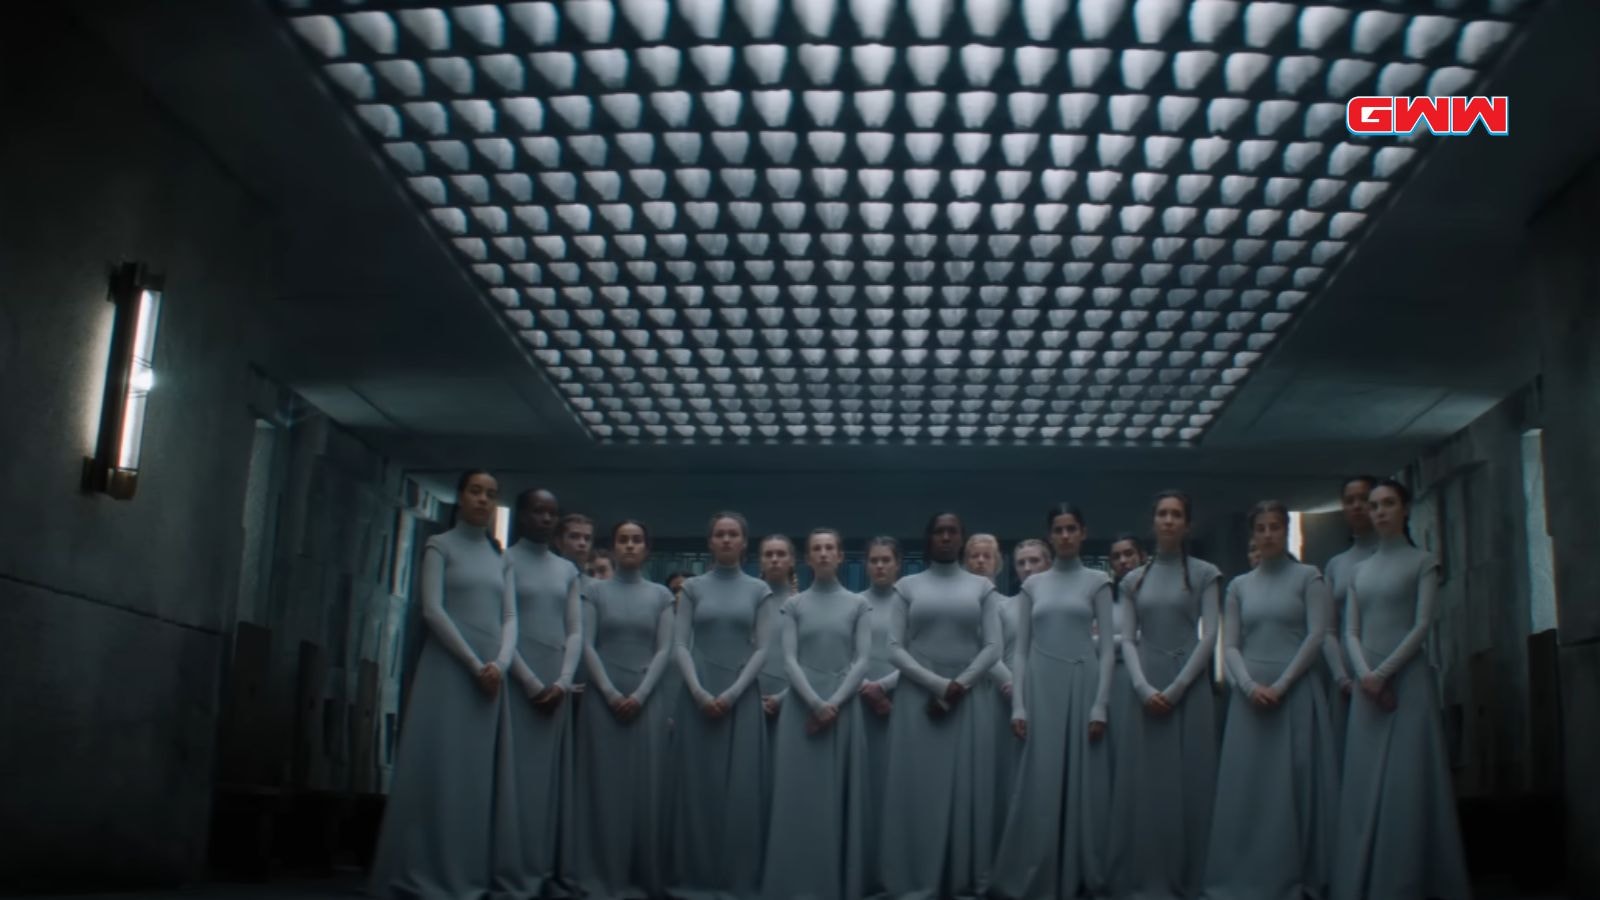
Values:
[(927, 738)]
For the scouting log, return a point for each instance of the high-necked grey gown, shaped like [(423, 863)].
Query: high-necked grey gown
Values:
[(939, 824), (1339, 572), (1272, 830), (621, 766), (723, 621), (818, 799), (1008, 750), (534, 828), (1055, 832), (1166, 785), (881, 671), (773, 681), (437, 836), (1398, 834)]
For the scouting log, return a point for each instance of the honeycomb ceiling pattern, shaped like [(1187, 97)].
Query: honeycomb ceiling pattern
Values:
[(920, 222)]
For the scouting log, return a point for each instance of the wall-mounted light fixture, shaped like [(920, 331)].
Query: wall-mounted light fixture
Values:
[(130, 375)]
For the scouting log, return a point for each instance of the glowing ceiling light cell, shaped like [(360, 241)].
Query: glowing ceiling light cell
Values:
[(816, 17), (779, 145), (979, 63), (971, 147), (928, 18), (790, 215), (1296, 157), (559, 69), (1264, 20), (1345, 157), (821, 62), (1242, 70), (1346, 76), (928, 63), (1451, 80), (976, 107), (376, 29), (1480, 39), (739, 182), (663, 63), (774, 107), (1399, 78), (824, 107), (562, 184), (429, 26), (872, 17), (1135, 218), (785, 183), (1390, 160), (748, 215)]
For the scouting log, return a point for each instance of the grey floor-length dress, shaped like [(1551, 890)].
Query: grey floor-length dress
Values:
[(1008, 750), (1272, 830), (939, 825), (534, 828), (621, 766), (1399, 838), (882, 672), (719, 821), (1055, 833), (815, 851), (437, 836), (1339, 572), (1165, 787)]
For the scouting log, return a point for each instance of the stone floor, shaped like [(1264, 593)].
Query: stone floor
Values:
[(344, 888)]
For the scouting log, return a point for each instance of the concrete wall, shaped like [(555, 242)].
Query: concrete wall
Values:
[(1565, 282), (114, 615)]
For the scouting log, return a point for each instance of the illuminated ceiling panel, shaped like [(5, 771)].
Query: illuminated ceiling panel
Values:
[(1056, 222)]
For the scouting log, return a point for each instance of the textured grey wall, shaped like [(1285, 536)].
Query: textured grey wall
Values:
[(113, 614)]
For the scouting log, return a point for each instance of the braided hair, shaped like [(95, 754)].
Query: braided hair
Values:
[(1183, 549)]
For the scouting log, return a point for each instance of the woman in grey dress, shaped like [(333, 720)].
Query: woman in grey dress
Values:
[(623, 729), (1054, 839), (1030, 556), (877, 694), (720, 752), (944, 635), (777, 570), (533, 834), (1398, 836), (1272, 831), (818, 799), (1165, 789), (1338, 572), (436, 840)]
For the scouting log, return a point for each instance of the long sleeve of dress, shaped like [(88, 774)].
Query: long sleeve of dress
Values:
[(524, 676), (1108, 652), (1129, 645), (1019, 674), (1000, 672), (899, 612), (572, 651), (439, 623), (1231, 654), (1316, 601), (1331, 652), (508, 621), (683, 634), (798, 682), (1352, 635), (1427, 605), (658, 663), (858, 664), (768, 620), (889, 682), (597, 668), (1204, 651), (989, 653)]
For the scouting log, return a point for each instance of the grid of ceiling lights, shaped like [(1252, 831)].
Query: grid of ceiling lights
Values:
[(924, 221)]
